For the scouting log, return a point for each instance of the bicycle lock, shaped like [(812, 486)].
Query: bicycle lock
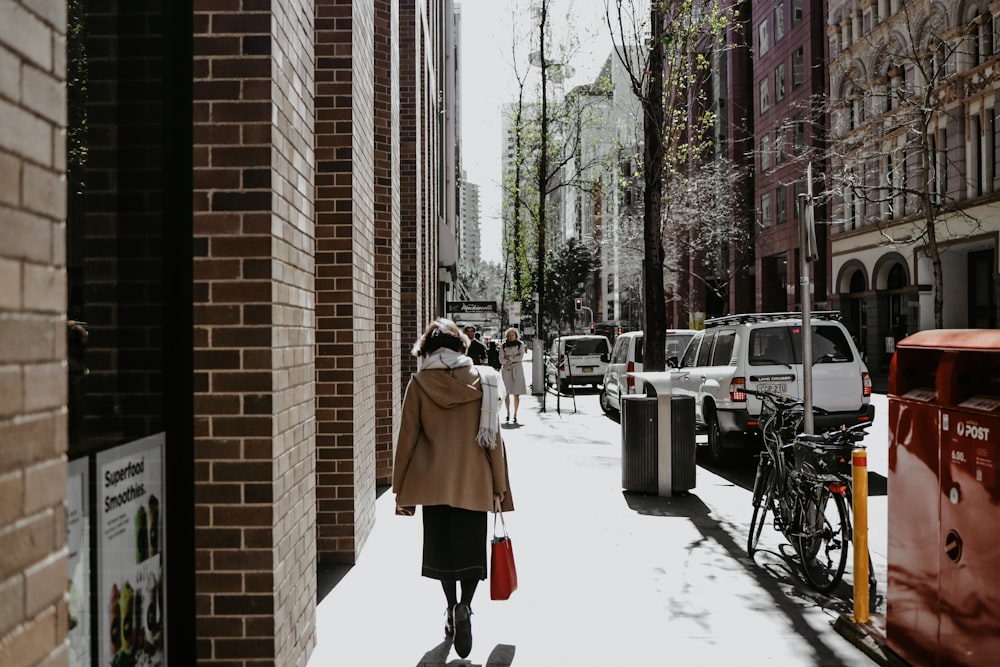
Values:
[(859, 501)]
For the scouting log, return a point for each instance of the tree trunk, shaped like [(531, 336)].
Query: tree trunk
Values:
[(655, 319)]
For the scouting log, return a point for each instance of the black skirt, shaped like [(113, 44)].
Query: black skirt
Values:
[(454, 543)]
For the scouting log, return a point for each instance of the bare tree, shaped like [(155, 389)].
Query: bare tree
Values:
[(703, 204), (664, 57)]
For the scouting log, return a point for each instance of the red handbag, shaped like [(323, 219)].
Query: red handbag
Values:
[(503, 574)]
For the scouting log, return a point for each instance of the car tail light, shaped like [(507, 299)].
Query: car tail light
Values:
[(866, 384), (737, 389), (631, 380)]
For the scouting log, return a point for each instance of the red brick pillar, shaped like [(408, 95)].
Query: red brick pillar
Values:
[(346, 229), (388, 392), (254, 333)]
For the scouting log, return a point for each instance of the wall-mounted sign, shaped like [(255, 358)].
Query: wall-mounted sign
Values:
[(78, 546), (468, 307), (130, 554)]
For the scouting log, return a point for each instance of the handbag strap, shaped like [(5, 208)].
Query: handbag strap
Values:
[(499, 513)]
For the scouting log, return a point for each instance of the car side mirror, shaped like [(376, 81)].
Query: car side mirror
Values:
[(672, 362), (605, 358)]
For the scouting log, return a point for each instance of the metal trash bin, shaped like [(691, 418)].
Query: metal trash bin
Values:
[(654, 459)]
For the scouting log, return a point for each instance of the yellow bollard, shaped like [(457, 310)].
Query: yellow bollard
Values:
[(859, 499)]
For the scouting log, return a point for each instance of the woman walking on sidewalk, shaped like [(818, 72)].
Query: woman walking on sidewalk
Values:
[(450, 460), (512, 354)]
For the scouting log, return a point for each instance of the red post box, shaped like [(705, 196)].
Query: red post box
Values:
[(943, 596)]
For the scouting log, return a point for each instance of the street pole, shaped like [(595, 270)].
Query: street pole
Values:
[(807, 250)]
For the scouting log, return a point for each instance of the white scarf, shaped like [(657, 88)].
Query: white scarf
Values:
[(489, 381)]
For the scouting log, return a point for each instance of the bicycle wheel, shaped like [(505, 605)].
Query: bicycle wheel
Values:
[(823, 536), (763, 492)]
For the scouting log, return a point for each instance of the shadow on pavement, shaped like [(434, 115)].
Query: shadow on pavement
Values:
[(501, 656), (741, 468), (772, 576)]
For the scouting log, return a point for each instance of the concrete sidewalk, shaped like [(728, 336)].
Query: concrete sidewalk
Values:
[(605, 577)]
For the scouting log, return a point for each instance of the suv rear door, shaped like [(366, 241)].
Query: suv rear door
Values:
[(584, 355), (774, 362)]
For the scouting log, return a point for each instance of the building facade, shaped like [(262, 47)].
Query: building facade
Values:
[(223, 226), (915, 216), (789, 75)]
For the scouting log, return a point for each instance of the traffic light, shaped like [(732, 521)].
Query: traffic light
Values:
[(579, 303)]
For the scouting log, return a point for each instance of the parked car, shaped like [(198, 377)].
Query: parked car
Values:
[(764, 351), (575, 360), (626, 357)]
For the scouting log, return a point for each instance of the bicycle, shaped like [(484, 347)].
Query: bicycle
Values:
[(803, 480)]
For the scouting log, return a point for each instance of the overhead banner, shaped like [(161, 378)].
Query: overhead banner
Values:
[(130, 554)]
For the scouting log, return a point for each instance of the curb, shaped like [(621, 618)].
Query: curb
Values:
[(869, 639)]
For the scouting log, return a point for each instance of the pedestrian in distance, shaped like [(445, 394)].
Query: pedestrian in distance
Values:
[(450, 459), (511, 356), (493, 356), (477, 351)]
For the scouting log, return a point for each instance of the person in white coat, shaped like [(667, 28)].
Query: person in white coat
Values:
[(511, 356)]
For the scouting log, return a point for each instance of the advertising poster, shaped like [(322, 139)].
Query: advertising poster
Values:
[(130, 554), (78, 546)]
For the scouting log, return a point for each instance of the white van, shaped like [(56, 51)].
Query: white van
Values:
[(627, 358), (577, 360)]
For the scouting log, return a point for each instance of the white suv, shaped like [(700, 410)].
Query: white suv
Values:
[(764, 351)]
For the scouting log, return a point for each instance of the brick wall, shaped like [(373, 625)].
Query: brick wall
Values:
[(33, 394), (254, 332), (412, 314), (345, 277), (387, 237)]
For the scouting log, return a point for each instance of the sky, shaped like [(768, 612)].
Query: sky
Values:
[(488, 82)]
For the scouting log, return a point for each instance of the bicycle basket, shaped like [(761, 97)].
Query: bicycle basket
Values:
[(823, 458)]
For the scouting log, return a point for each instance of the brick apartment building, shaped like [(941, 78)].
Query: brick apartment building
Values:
[(220, 230)]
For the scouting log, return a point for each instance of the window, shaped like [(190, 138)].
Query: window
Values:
[(829, 345), (779, 82), (770, 346), (724, 344), (611, 283), (765, 103), (779, 21), (799, 134), (690, 354), (781, 204), (796, 11), (765, 209), (581, 346), (705, 352), (763, 41), (780, 145), (765, 152), (798, 67)]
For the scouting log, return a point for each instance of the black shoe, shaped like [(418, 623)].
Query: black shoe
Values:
[(449, 622), (463, 630), (508, 419), (515, 420)]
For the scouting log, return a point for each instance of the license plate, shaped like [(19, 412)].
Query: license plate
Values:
[(588, 369), (775, 388)]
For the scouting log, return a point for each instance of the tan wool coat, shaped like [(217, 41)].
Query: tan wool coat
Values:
[(438, 461)]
